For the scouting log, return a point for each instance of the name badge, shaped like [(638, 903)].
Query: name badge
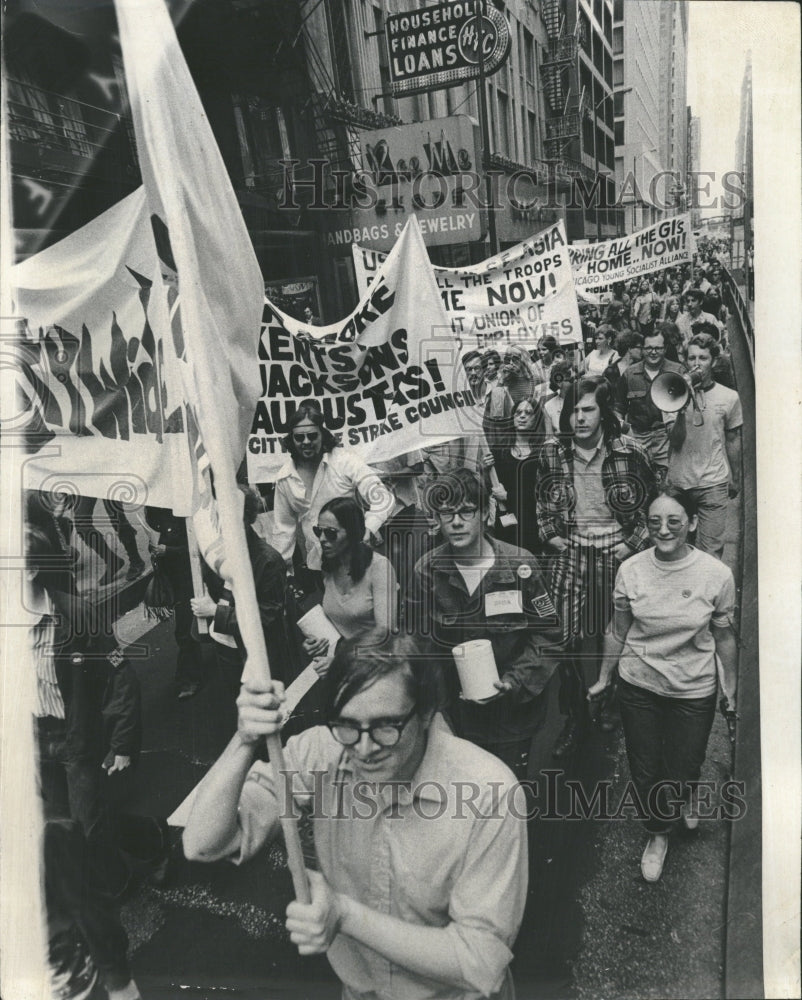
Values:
[(503, 602)]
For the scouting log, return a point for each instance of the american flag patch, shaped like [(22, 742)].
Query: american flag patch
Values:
[(543, 605)]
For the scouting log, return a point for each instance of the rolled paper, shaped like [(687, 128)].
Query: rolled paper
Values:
[(316, 624), (476, 666)]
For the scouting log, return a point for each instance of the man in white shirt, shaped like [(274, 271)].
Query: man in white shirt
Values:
[(318, 470), (694, 298)]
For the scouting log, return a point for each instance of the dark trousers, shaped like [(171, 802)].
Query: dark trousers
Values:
[(80, 790), (81, 914), (82, 513), (514, 755), (666, 740)]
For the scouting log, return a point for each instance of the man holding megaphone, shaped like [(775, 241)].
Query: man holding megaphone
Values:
[(705, 459), (635, 403)]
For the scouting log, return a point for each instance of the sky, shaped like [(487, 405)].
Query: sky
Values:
[(720, 32)]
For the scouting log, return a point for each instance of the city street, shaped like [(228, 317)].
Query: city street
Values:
[(217, 926)]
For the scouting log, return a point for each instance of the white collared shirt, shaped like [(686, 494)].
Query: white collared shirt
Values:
[(341, 473)]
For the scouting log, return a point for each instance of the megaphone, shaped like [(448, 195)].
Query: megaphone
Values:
[(669, 392)]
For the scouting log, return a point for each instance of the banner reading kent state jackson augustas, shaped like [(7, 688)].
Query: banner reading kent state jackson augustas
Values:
[(662, 245), (385, 377)]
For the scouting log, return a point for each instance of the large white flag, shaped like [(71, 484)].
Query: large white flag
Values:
[(206, 254)]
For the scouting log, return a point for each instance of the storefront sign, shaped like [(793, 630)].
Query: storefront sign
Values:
[(440, 46), (427, 169)]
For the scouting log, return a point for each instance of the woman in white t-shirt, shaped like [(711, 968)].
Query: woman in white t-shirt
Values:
[(673, 620), (604, 355)]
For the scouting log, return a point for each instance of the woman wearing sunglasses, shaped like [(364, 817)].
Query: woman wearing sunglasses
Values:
[(317, 470), (674, 606), (359, 585)]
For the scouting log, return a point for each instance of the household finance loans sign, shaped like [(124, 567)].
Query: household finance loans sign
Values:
[(384, 377), (664, 244), (515, 297)]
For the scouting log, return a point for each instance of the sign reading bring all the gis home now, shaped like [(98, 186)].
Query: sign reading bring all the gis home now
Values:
[(443, 45)]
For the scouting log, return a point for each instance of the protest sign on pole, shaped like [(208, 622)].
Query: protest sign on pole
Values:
[(387, 377), (664, 244), (514, 297), (206, 255)]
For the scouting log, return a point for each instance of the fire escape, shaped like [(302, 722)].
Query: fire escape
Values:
[(338, 116), (566, 108)]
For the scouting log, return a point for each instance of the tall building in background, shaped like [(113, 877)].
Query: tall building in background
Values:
[(639, 111), (673, 95), (578, 84), (694, 164), (742, 227)]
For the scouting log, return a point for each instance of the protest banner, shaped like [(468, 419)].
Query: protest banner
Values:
[(664, 244), (386, 377), (514, 297), (94, 408)]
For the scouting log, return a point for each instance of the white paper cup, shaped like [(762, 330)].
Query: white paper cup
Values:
[(477, 669)]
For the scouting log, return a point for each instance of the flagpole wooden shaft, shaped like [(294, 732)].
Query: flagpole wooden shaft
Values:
[(197, 572), (289, 827)]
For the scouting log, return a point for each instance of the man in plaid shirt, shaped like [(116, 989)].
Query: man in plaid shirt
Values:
[(593, 490)]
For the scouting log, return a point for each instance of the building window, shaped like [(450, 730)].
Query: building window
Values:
[(503, 124), (619, 133)]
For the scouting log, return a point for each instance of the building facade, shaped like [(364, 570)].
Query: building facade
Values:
[(673, 97), (637, 44), (742, 216), (694, 164)]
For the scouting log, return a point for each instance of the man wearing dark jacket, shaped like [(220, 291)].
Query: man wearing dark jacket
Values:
[(633, 401), (87, 715)]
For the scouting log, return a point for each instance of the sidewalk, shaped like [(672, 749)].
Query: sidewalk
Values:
[(665, 939)]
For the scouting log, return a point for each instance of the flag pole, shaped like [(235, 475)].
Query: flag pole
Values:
[(197, 571)]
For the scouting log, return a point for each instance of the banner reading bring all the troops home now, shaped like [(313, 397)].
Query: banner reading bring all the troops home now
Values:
[(515, 297), (664, 244)]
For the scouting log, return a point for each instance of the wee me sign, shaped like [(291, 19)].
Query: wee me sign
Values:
[(443, 45)]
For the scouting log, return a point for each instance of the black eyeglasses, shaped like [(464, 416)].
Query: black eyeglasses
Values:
[(300, 438), (329, 533), (465, 513), (383, 733)]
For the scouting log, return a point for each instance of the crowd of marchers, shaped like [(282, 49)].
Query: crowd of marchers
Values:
[(572, 537)]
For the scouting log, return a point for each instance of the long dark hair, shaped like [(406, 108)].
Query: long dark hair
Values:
[(350, 517), (537, 433), (312, 412), (600, 389)]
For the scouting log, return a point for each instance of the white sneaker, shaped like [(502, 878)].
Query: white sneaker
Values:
[(690, 814), (654, 857)]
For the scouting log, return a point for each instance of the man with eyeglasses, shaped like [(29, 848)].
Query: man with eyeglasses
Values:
[(474, 586), (633, 401), (416, 895)]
